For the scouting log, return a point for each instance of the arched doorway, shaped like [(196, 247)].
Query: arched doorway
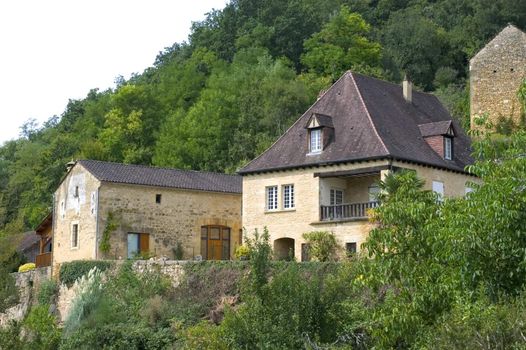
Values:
[(215, 242), (284, 248)]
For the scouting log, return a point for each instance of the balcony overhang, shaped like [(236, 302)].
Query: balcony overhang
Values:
[(357, 172)]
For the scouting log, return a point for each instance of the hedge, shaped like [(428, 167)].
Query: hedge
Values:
[(71, 271)]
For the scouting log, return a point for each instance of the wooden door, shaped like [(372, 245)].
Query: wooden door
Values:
[(214, 244), (144, 242)]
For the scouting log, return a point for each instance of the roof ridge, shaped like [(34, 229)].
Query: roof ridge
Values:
[(368, 114), (297, 121), (157, 167), (391, 83)]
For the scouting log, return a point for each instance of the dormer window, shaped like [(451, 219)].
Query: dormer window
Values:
[(320, 132), (315, 140), (439, 136)]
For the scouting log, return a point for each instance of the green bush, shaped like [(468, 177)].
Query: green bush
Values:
[(41, 330), (322, 245), (10, 336), (8, 290), (72, 271), (47, 292)]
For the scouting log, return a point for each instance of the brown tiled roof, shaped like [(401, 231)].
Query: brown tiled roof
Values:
[(162, 177), (435, 128), (372, 120), (29, 240)]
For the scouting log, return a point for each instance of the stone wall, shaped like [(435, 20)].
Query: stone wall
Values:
[(69, 209), (27, 283), (496, 73), (311, 191), (177, 219), (172, 269)]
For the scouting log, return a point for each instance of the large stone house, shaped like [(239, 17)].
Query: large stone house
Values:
[(323, 173), (144, 210), (496, 73)]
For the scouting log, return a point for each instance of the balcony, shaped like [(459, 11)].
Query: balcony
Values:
[(43, 260), (346, 211)]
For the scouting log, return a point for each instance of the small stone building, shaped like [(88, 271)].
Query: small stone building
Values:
[(106, 210), (323, 173), (496, 73)]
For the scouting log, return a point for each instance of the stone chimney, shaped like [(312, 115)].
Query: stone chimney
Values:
[(408, 89), (70, 165)]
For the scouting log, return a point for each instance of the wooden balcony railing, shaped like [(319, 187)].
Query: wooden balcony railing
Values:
[(43, 260), (346, 211)]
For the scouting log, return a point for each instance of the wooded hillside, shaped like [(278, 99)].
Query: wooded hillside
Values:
[(245, 74)]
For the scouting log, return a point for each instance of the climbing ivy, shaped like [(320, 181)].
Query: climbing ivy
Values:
[(111, 226)]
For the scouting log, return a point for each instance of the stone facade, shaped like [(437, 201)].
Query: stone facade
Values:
[(85, 201), (287, 226), (28, 283), (176, 220), (496, 73)]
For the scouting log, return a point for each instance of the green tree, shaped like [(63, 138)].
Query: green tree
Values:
[(342, 44)]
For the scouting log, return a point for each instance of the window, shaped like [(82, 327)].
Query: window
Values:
[(75, 236), (315, 140), (336, 197), (438, 187), (305, 248), (288, 196), (215, 242), (158, 198), (350, 248), (76, 194), (138, 243), (468, 190), (272, 197), (374, 190), (448, 148)]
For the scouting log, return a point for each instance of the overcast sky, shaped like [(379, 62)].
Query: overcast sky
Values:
[(55, 50)]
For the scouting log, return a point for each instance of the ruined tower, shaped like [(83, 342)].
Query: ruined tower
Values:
[(496, 73)]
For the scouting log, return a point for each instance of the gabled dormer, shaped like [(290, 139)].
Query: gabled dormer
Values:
[(320, 132), (439, 136)]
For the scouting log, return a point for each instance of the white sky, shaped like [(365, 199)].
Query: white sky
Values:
[(55, 50)]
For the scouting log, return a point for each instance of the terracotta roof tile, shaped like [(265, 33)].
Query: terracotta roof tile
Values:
[(371, 120), (162, 177)]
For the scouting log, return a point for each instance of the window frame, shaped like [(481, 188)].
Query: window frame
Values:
[(316, 136), (74, 233), (448, 148), (158, 198), (275, 202), (288, 196), (335, 190)]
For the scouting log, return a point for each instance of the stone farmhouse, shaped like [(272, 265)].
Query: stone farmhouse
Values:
[(496, 73), (323, 173), (144, 210)]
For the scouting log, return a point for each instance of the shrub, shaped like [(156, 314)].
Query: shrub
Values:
[(242, 252), (322, 245), (10, 336), (47, 292), (203, 335), (8, 290), (27, 267), (41, 329), (72, 271), (88, 297)]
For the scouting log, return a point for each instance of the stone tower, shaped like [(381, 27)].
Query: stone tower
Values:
[(496, 73)]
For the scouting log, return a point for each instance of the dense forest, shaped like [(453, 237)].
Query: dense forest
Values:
[(244, 75), (434, 273)]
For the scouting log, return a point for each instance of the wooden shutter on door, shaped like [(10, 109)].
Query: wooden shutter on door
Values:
[(144, 242)]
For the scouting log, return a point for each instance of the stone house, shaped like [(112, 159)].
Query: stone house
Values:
[(134, 209), (323, 173), (496, 73)]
